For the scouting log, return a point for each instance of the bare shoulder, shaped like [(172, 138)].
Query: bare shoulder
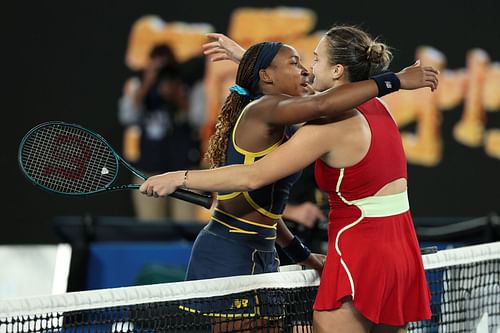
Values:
[(318, 137), (313, 138), (321, 127), (386, 106), (384, 103), (351, 114), (264, 105), (339, 129)]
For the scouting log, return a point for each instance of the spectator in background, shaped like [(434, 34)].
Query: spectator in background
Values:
[(193, 74), (158, 136)]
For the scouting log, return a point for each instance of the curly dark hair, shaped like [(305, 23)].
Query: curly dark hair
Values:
[(217, 144)]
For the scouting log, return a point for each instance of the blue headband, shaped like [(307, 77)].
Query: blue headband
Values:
[(264, 59), (240, 90)]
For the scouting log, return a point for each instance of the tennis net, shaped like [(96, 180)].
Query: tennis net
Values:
[(464, 282)]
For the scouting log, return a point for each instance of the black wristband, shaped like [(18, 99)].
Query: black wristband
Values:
[(296, 250), (387, 83)]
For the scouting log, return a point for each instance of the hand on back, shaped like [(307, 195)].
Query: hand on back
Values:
[(417, 76), (222, 48)]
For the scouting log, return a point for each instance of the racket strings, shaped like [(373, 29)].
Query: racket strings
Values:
[(68, 159)]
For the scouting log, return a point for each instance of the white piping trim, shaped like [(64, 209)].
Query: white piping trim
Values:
[(337, 187), (374, 206), (349, 275)]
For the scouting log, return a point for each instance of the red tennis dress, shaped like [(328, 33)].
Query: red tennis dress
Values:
[(373, 253)]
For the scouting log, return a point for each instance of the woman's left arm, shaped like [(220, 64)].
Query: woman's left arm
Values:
[(305, 146), (222, 47)]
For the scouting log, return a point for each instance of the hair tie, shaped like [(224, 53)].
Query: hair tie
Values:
[(369, 51), (239, 90)]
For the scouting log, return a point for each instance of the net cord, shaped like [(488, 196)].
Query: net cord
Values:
[(95, 299)]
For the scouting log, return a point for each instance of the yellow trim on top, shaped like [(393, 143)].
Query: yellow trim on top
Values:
[(249, 159), (250, 153), (234, 229), (232, 195), (247, 221), (228, 196), (260, 209), (259, 153)]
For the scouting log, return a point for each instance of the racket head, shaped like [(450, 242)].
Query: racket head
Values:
[(67, 159)]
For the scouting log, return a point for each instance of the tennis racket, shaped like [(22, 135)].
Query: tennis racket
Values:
[(71, 160)]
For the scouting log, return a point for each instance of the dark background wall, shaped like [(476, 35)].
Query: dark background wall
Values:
[(65, 61)]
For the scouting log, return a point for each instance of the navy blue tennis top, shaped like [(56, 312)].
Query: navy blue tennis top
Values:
[(269, 200)]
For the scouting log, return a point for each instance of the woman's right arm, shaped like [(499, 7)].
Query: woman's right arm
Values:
[(303, 148), (287, 110), (335, 101)]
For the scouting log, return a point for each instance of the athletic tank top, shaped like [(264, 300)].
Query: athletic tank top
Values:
[(269, 200), (384, 162)]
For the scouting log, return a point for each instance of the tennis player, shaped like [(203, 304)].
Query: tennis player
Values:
[(373, 279)]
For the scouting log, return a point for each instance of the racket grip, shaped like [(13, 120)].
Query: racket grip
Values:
[(192, 197)]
